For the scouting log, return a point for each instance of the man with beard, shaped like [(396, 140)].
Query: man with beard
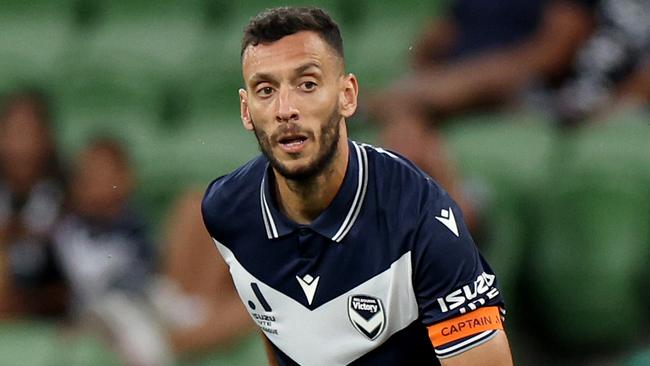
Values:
[(343, 253)]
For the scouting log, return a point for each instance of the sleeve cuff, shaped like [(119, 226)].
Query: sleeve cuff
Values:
[(465, 344)]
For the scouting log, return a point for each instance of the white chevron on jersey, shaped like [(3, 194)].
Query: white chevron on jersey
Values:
[(299, 331)]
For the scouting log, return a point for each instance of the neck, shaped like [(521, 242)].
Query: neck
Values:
[(302, 201)]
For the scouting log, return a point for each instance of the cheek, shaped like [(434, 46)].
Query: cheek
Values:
[(325, 113), (315, 108), (260, 115), (260, 127)]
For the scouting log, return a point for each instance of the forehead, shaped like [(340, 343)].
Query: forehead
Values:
[(288, 53)]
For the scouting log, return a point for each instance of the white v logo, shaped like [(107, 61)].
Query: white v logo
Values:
[(447, 218), (308, 284), (368, 325)]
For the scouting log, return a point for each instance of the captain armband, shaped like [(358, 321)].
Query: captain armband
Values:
[(456, 335)]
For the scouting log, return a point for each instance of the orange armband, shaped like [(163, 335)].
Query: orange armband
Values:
[(477, 321)]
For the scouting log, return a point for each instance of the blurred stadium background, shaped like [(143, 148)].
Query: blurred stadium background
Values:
[(164, 75), (568, 220)]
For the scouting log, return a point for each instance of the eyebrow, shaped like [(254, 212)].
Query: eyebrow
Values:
[(259, 77), (302, 69), (262, 76)]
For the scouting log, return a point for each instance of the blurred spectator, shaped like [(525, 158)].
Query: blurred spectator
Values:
[(483, 53), (574, 59), (31, 198), (102, 242), (106, 255), (612, 69), (479, 53), (195, 294)]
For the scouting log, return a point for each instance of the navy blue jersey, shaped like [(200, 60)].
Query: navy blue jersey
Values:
[(388, 262)]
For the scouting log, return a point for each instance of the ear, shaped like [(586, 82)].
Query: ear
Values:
[(349, 94), (246, 119)]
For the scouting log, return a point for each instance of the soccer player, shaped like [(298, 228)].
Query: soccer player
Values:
[(343, 253)]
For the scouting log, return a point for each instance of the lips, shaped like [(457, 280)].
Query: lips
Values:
[(292, 143)]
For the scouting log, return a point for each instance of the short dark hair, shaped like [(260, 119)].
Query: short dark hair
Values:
[(274, 24)]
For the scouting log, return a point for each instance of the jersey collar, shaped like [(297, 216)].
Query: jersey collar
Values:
[(339, 217)]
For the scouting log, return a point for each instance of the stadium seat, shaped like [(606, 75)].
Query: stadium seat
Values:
[(590, 262), (249, 351), (502, 159), (157, 42), (192, 156), (32, 42), (20, 8), (96, 99), (215, 74), (144, 11), (36, 343), (149, 41), (378, 40)]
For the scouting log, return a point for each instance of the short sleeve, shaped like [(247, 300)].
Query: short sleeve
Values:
[(456, 290)]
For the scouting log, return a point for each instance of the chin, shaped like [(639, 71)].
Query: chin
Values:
[(293, 170), (296, 170)]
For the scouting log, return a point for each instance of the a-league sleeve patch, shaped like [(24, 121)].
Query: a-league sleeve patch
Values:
[(478, 321)]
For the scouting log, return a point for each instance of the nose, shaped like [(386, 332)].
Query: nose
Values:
[(286, 109)]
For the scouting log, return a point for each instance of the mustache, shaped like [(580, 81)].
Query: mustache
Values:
[(290, 128)]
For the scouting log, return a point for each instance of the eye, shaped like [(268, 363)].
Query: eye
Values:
[(308, 85), (265, 91)]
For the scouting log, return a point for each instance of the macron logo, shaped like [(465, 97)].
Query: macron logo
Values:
[(308, 284), (447, 219)]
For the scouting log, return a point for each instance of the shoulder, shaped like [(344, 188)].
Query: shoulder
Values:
[(229, 194), (400, 183)]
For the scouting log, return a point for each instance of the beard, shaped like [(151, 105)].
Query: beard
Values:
[(328, 143)]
